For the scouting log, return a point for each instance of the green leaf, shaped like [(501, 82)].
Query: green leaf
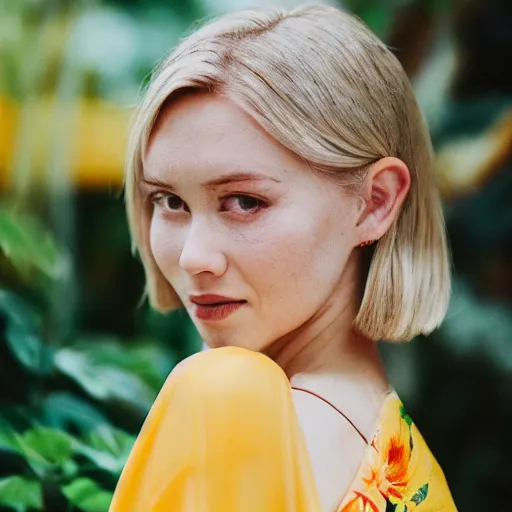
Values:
[(405, 416), (145, 358), (22, 334), (420, 495), (65, 411), (103, 460), (44, 449), (111, 440), (104, 382), (53, 445), (108, 448), (8, 438), (87, 495), (29, 245), (70, 469), (21, 493), (11, 441)]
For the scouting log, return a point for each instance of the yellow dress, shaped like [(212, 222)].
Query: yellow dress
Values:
[(223, 436)]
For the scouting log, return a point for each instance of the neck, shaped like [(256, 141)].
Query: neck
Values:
[(328, 346)]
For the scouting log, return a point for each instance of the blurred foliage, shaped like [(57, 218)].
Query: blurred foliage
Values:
[(81, 360), (70, 419)]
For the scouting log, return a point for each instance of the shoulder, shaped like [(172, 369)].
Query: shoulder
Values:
[(227, 364), (228, 372), (335, 449)]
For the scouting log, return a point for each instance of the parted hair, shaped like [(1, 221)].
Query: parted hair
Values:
[(323, 85)]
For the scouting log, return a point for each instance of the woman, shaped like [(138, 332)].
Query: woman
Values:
[(270, 149)]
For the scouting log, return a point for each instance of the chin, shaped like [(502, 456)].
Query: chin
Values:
[(220, 341)]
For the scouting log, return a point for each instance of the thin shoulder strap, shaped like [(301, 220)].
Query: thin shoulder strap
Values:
[(335, 408)]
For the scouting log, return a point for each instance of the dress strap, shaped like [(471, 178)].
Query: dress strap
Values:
[(335, 408)]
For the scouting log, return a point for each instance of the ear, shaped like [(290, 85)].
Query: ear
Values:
[(383, 192)]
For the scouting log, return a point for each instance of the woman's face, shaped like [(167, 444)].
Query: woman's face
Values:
[(238, 215)]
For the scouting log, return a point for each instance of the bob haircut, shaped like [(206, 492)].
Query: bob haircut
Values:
[(324, 86)]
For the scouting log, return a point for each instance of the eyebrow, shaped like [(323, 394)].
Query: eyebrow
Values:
[(222, 180)]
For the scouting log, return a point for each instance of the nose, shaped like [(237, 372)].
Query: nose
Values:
[(201, 252)]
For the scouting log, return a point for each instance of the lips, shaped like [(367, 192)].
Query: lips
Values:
[(213, 308), (213, 300)]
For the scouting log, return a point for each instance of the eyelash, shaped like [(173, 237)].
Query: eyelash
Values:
[(159, 198)]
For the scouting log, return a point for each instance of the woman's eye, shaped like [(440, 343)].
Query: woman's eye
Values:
[(170, 202), (237, 203), (173, 202), (244, 203)]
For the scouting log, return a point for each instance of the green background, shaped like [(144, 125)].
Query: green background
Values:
[(82, 358)]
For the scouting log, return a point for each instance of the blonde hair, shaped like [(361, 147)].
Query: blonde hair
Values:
[(323, 85)]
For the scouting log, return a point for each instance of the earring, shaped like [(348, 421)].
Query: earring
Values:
[(368, 242)]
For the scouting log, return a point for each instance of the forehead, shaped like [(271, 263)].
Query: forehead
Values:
[(208, 134)]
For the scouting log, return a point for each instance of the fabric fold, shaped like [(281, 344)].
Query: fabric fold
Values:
[(222, 436)]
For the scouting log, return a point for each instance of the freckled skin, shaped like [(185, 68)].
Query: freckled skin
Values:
[(293, 258), (289, 260)]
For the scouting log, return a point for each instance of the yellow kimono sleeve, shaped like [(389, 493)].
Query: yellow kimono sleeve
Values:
[(222, 436)]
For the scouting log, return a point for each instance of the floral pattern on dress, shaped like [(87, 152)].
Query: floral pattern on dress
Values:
[(398, 472)]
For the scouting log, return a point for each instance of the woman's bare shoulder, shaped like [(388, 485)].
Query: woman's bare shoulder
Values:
[(335, 450)]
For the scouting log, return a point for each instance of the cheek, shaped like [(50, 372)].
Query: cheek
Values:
[(164, 246), (299, 263)]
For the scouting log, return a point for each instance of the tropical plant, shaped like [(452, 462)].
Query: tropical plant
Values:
[(70, 408)]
